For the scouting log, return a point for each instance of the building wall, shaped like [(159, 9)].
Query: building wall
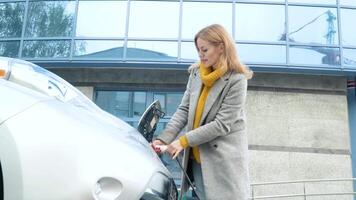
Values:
[(298, 136), (87, 91)]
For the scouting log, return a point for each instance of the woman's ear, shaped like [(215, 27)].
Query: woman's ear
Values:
[(221, 47)]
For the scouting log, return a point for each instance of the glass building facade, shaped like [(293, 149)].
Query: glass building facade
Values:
[(269, 34)]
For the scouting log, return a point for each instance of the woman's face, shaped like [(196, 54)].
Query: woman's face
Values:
[(208, 53)]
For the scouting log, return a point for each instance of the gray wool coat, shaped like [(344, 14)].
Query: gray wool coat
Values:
[(221, 137)]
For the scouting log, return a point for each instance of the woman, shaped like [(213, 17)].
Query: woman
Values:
[(212, 109)]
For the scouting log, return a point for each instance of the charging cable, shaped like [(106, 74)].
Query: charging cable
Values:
[(162, 149)]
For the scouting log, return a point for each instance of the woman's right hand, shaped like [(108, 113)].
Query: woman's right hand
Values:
[(156, 145), (158, 142)]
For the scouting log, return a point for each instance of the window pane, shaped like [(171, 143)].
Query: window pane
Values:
[(50, 18), (160, 127), (262, 53), (348, 2), (98, 49), (150, 19), (350, 57), (259, 22), (348, 26), (114, 102), (313, 25), (11, 19), (314, 55), (152, 50), (188, 52), (139, 103), (329, 2), (9, 49), (162, 100), (109, 19), (195, 17), (173, 101), (46, 49), (281, 1)]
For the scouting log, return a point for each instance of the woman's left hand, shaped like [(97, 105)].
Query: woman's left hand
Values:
[(174, 149)]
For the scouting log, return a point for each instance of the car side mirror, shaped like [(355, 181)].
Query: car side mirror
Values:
[(149, 120)]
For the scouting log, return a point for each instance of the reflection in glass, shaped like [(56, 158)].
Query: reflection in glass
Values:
[(11, 19), (281, 1), (173, 101), (259, 22), (350, 57), (188, 52), (114, 102), (50, 18), (152, 50), (348, 27), (328, 2), (9, 48), (46, 49), (160, 127), (98, 49), (151, 19), (139, 103), (195, 17), (348, 3), (109, 19), (162, 100), (314, 55), (313, 25), (262, 53)]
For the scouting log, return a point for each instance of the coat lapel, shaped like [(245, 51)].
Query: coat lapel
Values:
[(214, 94), (195, 93)]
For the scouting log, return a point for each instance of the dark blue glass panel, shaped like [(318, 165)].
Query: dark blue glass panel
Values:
[(46, 49), (11, 19), (9, 48), (50, 18), (115, 102)]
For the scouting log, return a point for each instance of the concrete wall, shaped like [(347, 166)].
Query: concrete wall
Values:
[(298, 129), (87, 91), (297, 124)]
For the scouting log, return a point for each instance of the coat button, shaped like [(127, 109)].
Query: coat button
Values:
[(215, 145)]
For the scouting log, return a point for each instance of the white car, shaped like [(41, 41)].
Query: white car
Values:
[(56, 144)]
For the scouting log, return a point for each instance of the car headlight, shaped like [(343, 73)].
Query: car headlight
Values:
[(4, 69), (107, 188), (160, 187)]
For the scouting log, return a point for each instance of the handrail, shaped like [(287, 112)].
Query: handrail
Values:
[(304, 194), (303, 181)]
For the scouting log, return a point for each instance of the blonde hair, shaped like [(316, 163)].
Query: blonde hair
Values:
[(216, 34)]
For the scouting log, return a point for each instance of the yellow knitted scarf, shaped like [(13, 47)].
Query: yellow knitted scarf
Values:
[(208, 77)]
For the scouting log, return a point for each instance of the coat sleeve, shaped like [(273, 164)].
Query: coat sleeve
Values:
[(227, 116), (179, 119)]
